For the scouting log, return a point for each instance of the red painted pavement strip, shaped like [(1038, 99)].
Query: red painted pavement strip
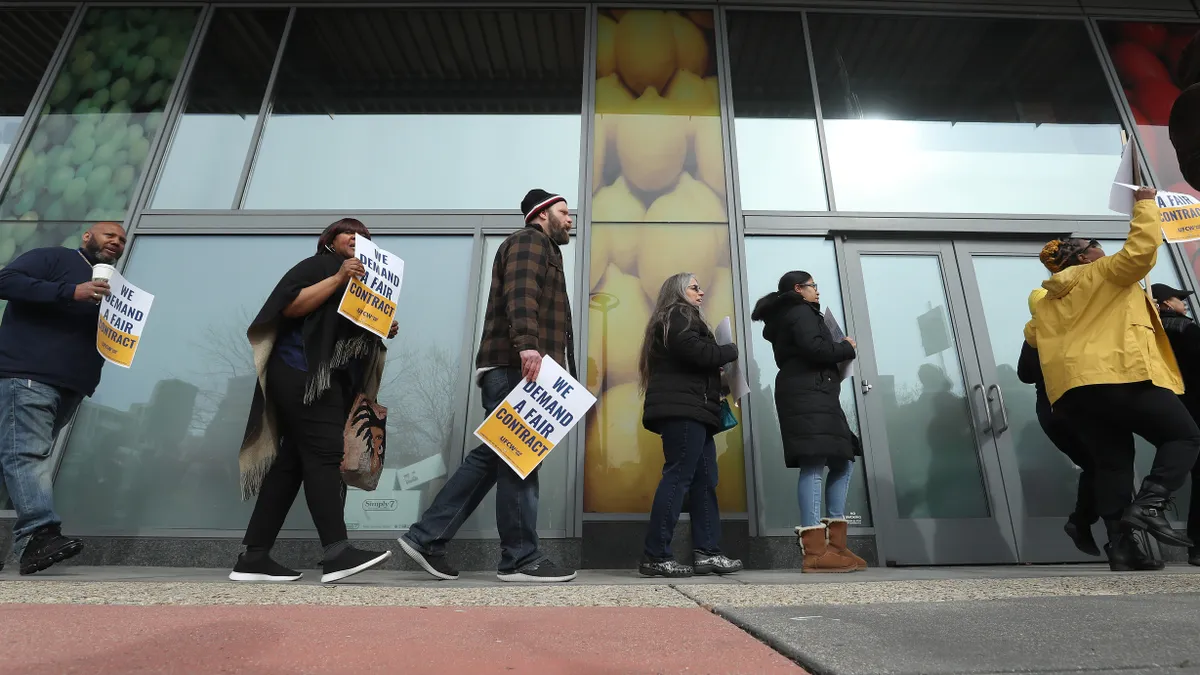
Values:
[(300, 639)]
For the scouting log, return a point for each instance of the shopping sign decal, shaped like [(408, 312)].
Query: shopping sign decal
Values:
[(1179, 214), (122, 317), (535, 417), (371, 301)]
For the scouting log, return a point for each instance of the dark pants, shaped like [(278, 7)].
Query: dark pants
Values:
[(1106, 417), (689, 468), (310, 454), (516, 499), (1058, 429)]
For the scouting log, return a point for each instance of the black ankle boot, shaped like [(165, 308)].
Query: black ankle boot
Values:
[(1149, 512), (1080, 532), (1194, 556), (1128, 550)]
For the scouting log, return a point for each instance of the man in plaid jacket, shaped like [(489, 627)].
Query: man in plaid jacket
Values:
[(528, 316)]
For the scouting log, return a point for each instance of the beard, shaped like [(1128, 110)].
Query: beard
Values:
[(557, 230), (99, 253)]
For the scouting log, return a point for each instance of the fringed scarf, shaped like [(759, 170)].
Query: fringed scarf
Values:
[(330, 342)]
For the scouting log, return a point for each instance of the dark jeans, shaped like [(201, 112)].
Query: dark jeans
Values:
[(689, 467), (516, 499), (310, 454), (1106, 417), (1061, 433)]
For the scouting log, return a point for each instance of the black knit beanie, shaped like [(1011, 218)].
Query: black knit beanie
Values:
[(536, 201)]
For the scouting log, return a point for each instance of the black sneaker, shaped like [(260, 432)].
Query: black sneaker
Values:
[(350, 562), (261, 568), (434, 564), (672, 569), (545, 571), (704, 563), (46, 547)]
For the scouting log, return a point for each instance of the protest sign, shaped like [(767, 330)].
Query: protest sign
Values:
[(535, 417), (122, 317), (371, 301), (835, 331), (1179, 214), (733, 376)]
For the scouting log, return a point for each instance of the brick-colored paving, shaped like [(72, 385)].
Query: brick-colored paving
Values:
[(292, 640)]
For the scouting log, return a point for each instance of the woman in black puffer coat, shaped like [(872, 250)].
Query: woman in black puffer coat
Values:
[(815, 432), (680, 369)]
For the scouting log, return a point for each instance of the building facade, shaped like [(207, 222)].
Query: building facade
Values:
[(913, 156)]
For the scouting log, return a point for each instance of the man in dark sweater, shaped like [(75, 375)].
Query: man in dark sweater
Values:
[(1184, 335), (48, 363)]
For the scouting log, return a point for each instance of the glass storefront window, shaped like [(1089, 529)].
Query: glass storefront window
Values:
[(553, 510), (965, 115), (28, 39), (157, 445), (629, 264), (658, 153), (767, 259), (423, 109), (105, 109), (774, 116), (225, 92)]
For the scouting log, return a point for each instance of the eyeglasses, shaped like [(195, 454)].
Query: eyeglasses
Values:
[(810, 284)]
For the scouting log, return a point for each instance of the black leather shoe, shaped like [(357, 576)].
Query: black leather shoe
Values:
[(1149, 512), (1081, 533), (1128, 550), (1194, 556)]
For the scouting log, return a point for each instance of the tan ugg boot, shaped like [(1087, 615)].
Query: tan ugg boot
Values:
[(818, 557), (837, 542)]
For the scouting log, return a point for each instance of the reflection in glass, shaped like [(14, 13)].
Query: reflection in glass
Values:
[(658, 154), (629, 264), (930, 431), (997, 110), (552, 475), (767, 259), (28, 38), (225, 92), (104, 111), (369, 112), (779, 159), (157, 446)]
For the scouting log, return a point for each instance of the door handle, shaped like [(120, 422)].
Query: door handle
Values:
[(866, 388), (1003, 408), (987, 408)]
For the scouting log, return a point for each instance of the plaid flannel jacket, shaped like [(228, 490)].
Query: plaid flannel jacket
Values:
[(527, 305)]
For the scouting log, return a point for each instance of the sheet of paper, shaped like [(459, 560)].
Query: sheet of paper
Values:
[(734, 376), (835, 331), (1119, 199)]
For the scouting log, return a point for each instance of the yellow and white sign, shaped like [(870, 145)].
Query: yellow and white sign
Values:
[(371, 301), (535, 417), (1179, 214), (122, 318)]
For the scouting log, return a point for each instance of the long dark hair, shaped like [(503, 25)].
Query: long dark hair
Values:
[(325, 241), (672, 297), (787, 285)]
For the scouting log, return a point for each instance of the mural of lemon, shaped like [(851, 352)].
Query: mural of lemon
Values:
[(702, 17), (710, 155), (621, 474), (718, 298), (616, 245), (606, 57), (731, 468), (617, 204), (615, 336), (665, 250), (599, 151), (611, 95), (713, 88), (690, 95), (691, 49), (690, 202), (645, 49), (651, 143)]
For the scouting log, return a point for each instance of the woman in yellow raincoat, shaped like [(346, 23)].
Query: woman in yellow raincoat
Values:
[(1108, 365)]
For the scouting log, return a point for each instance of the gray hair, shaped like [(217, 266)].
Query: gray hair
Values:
[(672, 296)]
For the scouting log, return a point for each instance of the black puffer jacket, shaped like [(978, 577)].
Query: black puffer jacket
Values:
[(811, 420), (685, 373)]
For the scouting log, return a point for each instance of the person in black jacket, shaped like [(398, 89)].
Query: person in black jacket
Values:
[(680, 371), (816, 434), (1184, 335)]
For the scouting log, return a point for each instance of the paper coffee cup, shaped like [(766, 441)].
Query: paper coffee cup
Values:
[(102, 272)]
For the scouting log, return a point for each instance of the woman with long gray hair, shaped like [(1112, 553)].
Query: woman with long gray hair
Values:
[(680, 372)]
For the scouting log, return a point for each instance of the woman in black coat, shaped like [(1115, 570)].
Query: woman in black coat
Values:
[(680, 369), (815, 432)]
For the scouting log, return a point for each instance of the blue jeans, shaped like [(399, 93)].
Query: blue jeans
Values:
[(516, 499), (689, 466), (31, 415), (808, 490)]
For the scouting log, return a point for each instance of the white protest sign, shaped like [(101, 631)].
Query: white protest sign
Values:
[(1120, 199), (1179, 214), (371, 301), (535, 417), (122, 318), (733, 376)]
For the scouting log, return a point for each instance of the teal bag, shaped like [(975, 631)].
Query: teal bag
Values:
[(728, 421)]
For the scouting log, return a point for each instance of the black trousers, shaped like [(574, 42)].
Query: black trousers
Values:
[(1061, 433), (1106, 417), (310, 455)]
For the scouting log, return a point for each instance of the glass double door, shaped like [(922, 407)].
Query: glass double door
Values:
[(962, 471)]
